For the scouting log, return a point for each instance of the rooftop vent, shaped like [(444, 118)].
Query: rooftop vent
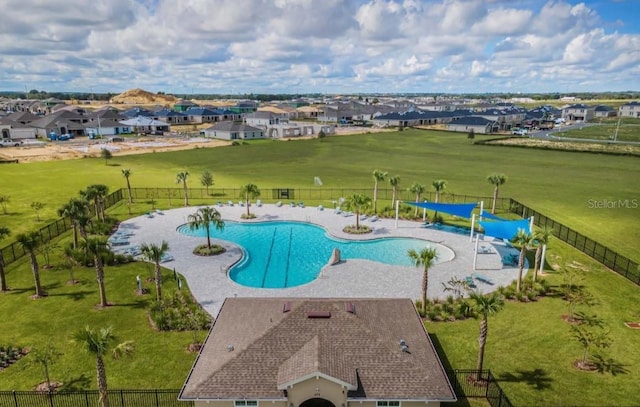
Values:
[(403, 342), (286, 307), (319, 314), (405, 348), (229, 347), (351, 307)]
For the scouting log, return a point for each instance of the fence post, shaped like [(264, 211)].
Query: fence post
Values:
[(157, 401), (15, 398)]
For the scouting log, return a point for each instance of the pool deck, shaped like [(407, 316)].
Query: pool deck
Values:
[(209, 283)]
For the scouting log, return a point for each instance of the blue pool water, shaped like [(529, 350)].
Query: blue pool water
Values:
[(288, 254)]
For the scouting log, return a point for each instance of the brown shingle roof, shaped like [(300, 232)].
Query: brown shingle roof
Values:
[(272, 348)]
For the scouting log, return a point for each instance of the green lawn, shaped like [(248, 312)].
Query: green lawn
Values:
[(530, 349), (565, 186), (31, 323), (626, 132)]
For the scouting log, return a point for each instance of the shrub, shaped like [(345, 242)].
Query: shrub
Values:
[(179, 313), (357, 231), (203, 250)]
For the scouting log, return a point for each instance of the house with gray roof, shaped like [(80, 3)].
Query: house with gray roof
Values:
[(171, 116), (146, 125), (631, 109), (60, 122), (300, 352), (233, 131), (479, 125), (578, 112), (10, 129), (604, 111)]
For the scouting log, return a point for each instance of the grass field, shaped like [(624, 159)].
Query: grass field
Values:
[(568, 187), (31, 323), (625, 132), (529, 347)]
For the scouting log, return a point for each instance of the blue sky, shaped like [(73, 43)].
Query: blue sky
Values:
[(326, 46)]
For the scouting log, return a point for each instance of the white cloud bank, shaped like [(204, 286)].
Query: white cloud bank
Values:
[(331, 46)]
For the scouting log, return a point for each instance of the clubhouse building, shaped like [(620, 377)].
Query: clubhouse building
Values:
[(301, 352)]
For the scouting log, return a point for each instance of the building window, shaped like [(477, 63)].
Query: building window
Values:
[(245, 403), (388, 404)]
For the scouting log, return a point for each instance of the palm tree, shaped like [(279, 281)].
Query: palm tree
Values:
[(77, 210), (181, 177), (206, 217), (496, 180), (154, 253), (541, 237), (96, 193), (438, 185), (249, 191), (30, 243), (378, 176), (126, 173), (523, 241), (357, 203), (97, 246), (485, 305), (99, 343), (394, 181), (4, 232), (417, 189), (425, 258)]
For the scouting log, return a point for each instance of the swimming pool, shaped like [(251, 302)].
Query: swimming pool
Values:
[(287, 254)]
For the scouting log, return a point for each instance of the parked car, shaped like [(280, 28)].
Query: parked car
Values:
[(519, 132), (6, 142)]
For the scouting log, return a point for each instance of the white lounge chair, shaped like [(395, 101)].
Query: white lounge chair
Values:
[(363, 216), (241, 203), (230, 203), (258, 203), (337, 211), (279, 204), (374, 218), (320, 208)]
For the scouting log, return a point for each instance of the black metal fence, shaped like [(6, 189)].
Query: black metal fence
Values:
[(468, 383), (610, 258), (14, 251), (89, 398), (301, 194)]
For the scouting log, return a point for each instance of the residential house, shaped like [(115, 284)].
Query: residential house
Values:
[(61, 122), (24, 117), (137, 111), (246, 106), (146, 125), (171, 116), (578, 112), (308, 112), (199, 115), (108, 127), (265, 118), (631, 109), (412, 118), (184, 105), (298, 352), (479, 125), (233, 131), (604, 111), (507, 116), (10, 129)]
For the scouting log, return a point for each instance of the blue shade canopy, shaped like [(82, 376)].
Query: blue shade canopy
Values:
[(463, 210), (491, 216), (505, 229)]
